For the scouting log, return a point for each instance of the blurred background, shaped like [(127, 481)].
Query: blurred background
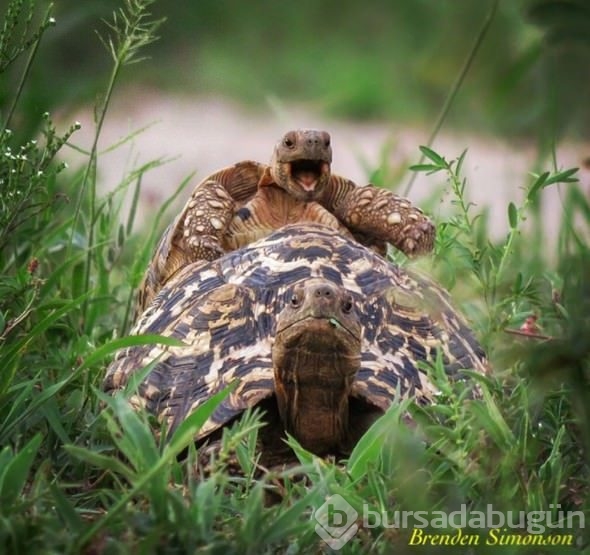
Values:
[(226, 80)]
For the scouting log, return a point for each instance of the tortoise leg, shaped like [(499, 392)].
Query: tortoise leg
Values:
[(378, 246), (315, 212), (195, 235), (206, 218), (378, 213)]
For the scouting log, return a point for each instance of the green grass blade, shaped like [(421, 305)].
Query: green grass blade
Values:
[(104, 351), (181, 438), (369, 449), (38, 400), (17, 470), (188, 428), (132, 435), (11, 354), (99, 460), (66, 510)]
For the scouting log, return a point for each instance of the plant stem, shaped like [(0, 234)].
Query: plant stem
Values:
[(89, 181), (25, 74), (456, 86), (459, 194)]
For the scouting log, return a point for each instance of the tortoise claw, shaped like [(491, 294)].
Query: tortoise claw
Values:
[(205, 247), (417, 238), (381, 215)]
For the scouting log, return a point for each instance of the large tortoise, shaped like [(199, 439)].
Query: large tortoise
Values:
[(245, 202), (320, 331)]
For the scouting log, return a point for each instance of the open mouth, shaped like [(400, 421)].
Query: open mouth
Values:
[(307, 173)]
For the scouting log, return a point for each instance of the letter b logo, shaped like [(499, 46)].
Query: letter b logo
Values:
[(336, 517), (336, 521)]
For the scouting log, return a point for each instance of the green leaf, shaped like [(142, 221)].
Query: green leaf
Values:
[(135, 379), (55, 418), (205, 495), (369, 449), (546, 179), (16, 472), (564, 176), (134, 205), (99, 460), (262, 528), (98, 355), (434, 157), (185, 434), (512, 215), (303, 456), (53, 280), (516, 288), (5, 458), (132, 434), (10, 355), (491, 420), (14, 403), (460, 161), (77, 285), (538, 183), (26, 409), (66, 511), (289, 521), (431, 168), (190, 426)]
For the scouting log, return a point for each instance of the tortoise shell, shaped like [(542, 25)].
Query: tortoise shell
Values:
[(227, 313)]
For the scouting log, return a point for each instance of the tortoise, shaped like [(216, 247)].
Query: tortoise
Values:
[(320, 331), (244, 202)]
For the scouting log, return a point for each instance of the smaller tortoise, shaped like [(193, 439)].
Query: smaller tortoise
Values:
[(320, 332), (245, 202)]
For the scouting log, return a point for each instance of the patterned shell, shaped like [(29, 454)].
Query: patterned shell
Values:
[(225, 311)]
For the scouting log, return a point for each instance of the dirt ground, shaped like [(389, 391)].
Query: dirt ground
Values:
[(202, 135)]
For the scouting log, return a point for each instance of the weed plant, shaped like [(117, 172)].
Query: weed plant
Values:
[(81, 472)]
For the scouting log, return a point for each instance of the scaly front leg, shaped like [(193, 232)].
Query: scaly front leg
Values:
[(382, 215), (209, 211), (205, 220)]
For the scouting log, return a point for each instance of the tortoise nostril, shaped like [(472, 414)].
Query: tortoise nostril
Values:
[(323, 291), (295, 302)]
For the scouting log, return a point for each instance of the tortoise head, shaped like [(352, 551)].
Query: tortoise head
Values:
[(300, 163), (316, 355)]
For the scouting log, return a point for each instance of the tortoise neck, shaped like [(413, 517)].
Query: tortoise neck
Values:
[(312, 389)]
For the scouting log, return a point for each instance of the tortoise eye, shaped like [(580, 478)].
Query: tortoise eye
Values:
[(347, 305), (289, 141), (295, 302)]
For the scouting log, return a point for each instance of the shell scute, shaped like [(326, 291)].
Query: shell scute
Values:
[(226, 310)]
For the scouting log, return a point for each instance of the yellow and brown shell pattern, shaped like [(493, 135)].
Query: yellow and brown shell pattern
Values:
[(224, 311)]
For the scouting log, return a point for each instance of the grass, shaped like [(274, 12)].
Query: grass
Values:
[(82, 472)]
